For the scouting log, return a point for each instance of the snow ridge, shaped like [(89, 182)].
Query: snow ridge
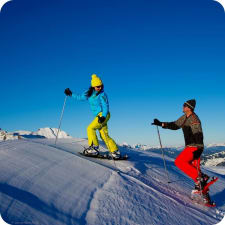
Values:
[(47, 184)]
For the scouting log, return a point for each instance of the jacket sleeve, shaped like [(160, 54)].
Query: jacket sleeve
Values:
[(81, 97), (176, 124), (104, 104), (196, 129)]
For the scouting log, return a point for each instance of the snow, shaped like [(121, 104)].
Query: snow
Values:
[(217, 169), (9, 136), (41, 183), (23, 132), (41, 133), (215, 145), (214, 161), (51, 133)]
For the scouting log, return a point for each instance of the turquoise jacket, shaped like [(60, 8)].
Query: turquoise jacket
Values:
[(99, 103)]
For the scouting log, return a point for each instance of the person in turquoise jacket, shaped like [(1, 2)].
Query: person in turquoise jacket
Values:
[(100, 107)]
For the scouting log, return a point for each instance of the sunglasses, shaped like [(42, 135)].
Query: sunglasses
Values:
[(98, 86)]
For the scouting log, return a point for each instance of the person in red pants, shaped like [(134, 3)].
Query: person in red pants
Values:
[(189, 159)]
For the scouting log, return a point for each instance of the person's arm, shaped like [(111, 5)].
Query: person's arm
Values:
[(174, 125), (105, 105), (81, 97)]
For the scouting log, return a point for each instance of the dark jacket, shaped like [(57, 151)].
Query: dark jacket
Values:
[(191, 127)]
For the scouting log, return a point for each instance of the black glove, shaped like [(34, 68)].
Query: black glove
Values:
[(157, 122), (101, 119), (68, 92)]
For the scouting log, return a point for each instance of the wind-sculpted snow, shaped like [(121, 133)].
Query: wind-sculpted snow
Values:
[(44, 186), (41, 183)]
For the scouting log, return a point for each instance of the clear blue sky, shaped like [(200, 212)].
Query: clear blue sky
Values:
[(151, 55)]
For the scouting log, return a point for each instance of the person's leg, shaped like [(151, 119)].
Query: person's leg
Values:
[(196, 160), (91, 132), (202, 178), (184, 162), (110, 143), (196, 164)]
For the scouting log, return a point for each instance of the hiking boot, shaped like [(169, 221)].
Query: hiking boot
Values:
[(92, 150), (202, 181), (206, 198), (116, 154)]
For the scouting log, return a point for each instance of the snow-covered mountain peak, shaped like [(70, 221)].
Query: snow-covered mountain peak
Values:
[(46, 132), (215, 145), (51, 133)]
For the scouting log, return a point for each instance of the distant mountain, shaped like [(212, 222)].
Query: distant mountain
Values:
[(215, 145), (41, 133), (52, 133), (216, 159), (213, 148), (7, 136), (213, 155), (171, 152)]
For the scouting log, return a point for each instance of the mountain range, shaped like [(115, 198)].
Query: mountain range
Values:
[(213, 155)]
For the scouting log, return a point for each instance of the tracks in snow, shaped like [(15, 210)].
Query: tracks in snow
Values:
[(154, 184), (101, 162)]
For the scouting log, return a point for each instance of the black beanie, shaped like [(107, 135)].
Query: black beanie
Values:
[(191, 103)]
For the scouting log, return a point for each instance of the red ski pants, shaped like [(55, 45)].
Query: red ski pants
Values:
[(188, 163)]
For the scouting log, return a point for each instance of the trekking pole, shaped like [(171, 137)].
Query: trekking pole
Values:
[(163, 155), (60, 121)]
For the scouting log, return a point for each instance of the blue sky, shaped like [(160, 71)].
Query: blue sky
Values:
[(151, 55)]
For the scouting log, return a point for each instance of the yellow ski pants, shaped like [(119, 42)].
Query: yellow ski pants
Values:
[(103, 130)]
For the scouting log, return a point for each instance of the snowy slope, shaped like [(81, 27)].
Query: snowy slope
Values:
[(41, 183)]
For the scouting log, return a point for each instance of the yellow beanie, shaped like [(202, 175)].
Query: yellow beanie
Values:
[(95, 81)]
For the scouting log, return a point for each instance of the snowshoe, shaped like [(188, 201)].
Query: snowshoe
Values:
[(202, 181), (202, 196), (91, 151), (118, 157), (206, 187), (207, 201), (101, 155), (116, 154), (202, 199)]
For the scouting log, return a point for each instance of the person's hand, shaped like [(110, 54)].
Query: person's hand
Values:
[(157, 122), (101, 119), (68, 92)]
